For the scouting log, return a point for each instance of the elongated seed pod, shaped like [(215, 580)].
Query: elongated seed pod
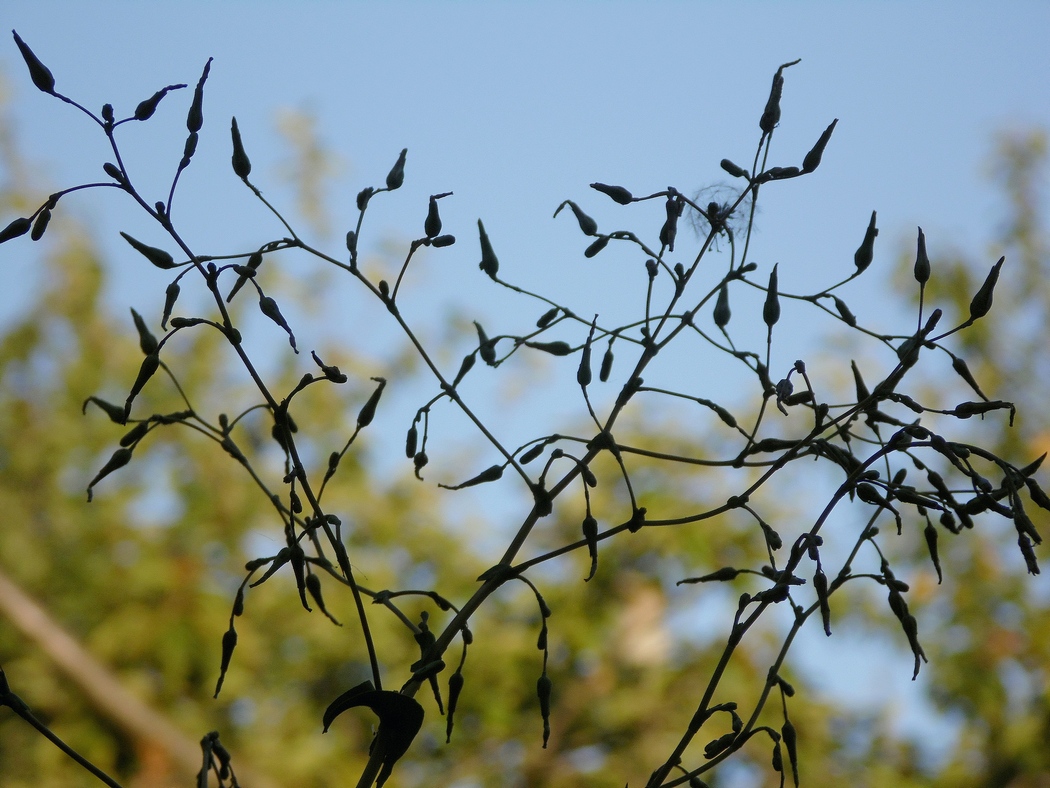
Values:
[(733, 169), (812, 160), (158, 257), (242, 167), (982, 301), (195, 117), (596, 246), (544, 686), (147, 341), (38, 72), (145, 109), (455, 687), (489, 264), (40, 225), (922, 261), (396, 176), (607, 362), (15, 229), (865, 252), (771, 308), (722, 312), (229, 643), (119, 459), (368, 411), (617, 193)]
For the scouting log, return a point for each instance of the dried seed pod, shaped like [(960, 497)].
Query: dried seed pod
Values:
[(158, 257), (583, 372), (722, 313), (812, 160), (489, 264), (269, 308), (229, 643), (149, 366), (532, 453), (411, 440), (617, 193), (38, 72), (14, 229), (195, 117), (674, 207), (147, 341), (607, 362), (547, 317), (465, 366), (771, 114), (982, 301), (844, 312), (922, 261), (486, 347), (455, 687), (115, 412), (719, 745), (242, 167), (432, 225), (119, 459), (364, 196), (866, 251), (145, 109), (820, 584), (544, 686), (396, 176), (590, 535), (368, 411), (113, 171), (596, 246), (188, 150), (930, 533), (791, 742), (733, 169), (1028, 553), (587, 225), (238, 601), (490, 474), (554, 348), (771, 308), (419, 462), (40, 225), (721, 575), (135, 434)]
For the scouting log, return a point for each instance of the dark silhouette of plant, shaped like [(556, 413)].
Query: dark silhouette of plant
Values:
[(607, 471)]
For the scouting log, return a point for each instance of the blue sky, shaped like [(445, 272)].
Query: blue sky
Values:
[(516, 106)]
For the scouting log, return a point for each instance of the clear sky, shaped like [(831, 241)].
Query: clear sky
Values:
[(516, 106)]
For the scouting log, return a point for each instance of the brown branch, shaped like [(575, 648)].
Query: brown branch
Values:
[(102, 687)]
